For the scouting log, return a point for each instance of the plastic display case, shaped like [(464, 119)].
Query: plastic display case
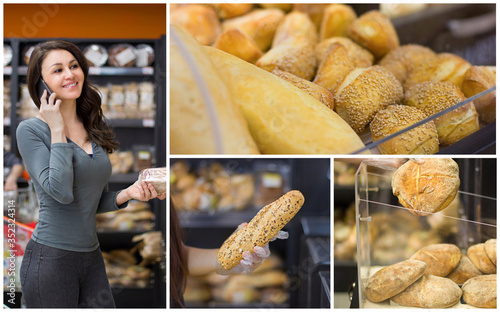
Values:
[(387, 233)]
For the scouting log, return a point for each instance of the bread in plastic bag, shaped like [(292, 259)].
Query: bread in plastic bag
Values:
[(157, 177)]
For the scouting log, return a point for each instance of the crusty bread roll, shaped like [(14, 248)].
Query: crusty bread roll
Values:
[(259, 24), (428, 186), (336, 65), (433, 97), (364, 92), (322, 94), (359, 55), (477, 254), (237, 43), (374, 31), (230, 10), (191, 129), (295, 25), (199, 20), (336, 20), (157, 177), (481, 291), (260, 230), (314, 11), (420, 140), (431, 292), (393, 279), (464, 270), (441, 259), (282, 118), (404, 60), (490, 247), (478, 79)]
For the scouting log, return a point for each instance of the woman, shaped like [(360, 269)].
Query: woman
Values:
[(65, 149)]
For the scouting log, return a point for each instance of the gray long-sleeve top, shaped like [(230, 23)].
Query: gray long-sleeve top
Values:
[(71, 186)]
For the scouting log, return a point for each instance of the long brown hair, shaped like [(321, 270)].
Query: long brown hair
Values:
[(88, 105), (178, 264)]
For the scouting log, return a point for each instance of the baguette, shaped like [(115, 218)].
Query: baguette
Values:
[(260, 230)]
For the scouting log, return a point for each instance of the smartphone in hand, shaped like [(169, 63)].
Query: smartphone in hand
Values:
[(41, 85)]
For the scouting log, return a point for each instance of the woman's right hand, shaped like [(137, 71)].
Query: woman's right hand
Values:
[(49, 110)]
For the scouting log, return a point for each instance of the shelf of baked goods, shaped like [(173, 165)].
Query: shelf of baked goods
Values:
[(318, 80), (454, 240), (99, 71)]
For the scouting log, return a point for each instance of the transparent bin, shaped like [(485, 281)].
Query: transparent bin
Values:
[(387, 233)]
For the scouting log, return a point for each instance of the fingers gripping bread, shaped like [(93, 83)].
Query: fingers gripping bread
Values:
[(261, 229)]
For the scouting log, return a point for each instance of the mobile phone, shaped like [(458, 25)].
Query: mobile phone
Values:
[(41, 85)]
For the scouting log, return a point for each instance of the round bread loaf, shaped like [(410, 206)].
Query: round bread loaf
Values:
[(364, 92), (404, 60), (464, 270), (432, 292), (393, 279), (433, 97), (478, 79), (374, 31), (441, 259), (359, 55), (420, 140), (490, 247), (477, 254), (481, 291), (427, 186)]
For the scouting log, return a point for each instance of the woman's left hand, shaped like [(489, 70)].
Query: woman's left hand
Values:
[(143, 192)]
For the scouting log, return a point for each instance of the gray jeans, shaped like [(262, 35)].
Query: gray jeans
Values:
[(57, 278)]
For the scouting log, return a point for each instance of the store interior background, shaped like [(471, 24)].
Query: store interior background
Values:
[(106, 24)]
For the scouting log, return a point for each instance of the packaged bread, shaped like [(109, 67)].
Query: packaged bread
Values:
[(476, 80), (490, 247), (441, 259), (131, 102), (201, 21), (192, 127), (259, 24), (7, 54), (364, 92), (393, 279), (145, 55), (360, 56), (336, 20), (96, 55), (122, 55), (322, 94), (481, 291), (239, 44), (477, 254), (282, 118), (463, 271), (374, 31), (420, 140), (260, 230), (426, 186), (155, 176), (432, 292), (433, 97)]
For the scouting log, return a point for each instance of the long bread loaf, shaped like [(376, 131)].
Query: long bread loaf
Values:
[(261, 229)]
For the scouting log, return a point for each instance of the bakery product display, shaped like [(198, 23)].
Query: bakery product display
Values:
[(261, 229), (364, 92), (433, 97), (394, 118), (426, 187)]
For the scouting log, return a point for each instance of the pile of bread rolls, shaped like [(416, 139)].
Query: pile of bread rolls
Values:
[(438, 276), (353, 65)]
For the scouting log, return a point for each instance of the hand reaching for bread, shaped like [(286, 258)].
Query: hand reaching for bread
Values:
[(251, 260)]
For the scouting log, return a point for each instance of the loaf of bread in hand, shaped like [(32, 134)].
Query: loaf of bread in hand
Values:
[(260, 230), (428, 186), (431, 292), (481, 291), (441, 259), (393, 279)]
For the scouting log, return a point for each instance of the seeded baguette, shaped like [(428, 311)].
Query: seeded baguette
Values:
[(261, 229)]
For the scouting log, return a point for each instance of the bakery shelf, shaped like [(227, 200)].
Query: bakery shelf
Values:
[(104, 71), (132, 123), (7, 70)]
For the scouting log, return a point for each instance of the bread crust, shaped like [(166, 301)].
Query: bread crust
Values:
[(427, 187), (481, 291), (476, 80), (441, 259), (360, 56), (393, 279), (237, 43), (464, 271), (477, 254), (260, 230), (420, 140), (199, 20), (336, 20), (336, 65), (490, 247)]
